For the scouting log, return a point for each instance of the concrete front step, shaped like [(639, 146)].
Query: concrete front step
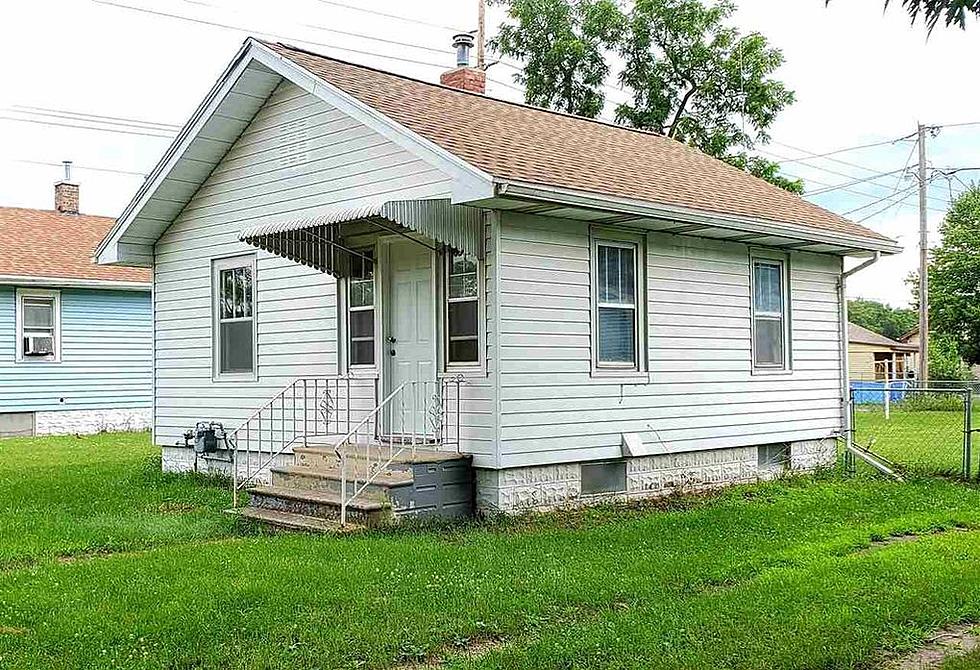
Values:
[(331, 479), (326, 457), (291, 521), (365, 510)]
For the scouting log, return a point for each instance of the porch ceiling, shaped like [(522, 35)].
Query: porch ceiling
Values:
[(316, 241)]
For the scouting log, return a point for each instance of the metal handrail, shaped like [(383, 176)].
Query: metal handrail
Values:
[(295, 412), (436, 411)]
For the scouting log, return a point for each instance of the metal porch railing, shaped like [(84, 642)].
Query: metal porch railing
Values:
[(415, 415), (307, 407)]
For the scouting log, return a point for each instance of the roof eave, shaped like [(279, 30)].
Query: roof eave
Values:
[(609, 203), (75, 282)]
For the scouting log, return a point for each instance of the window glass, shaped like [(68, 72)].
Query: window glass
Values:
[(616, 309), (463, 313), (360, 320), (768, 288), (235, 329), (768, 323), (38, 327)]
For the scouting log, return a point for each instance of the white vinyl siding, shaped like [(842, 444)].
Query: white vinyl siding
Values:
[(700, 391), (297, 156)]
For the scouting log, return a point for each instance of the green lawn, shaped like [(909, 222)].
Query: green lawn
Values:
[(110, 564)]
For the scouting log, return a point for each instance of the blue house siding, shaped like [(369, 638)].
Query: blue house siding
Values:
[(106, 354)]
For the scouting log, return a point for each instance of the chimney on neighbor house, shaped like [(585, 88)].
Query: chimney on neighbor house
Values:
[(66, 193), (463, 76)]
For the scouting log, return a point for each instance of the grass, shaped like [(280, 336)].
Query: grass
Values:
[(787, 574), (927, 441), (104, 493)]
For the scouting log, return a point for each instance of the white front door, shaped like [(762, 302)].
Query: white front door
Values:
[(410, 346)]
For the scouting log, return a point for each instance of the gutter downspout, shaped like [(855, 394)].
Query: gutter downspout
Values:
[(844, 368)]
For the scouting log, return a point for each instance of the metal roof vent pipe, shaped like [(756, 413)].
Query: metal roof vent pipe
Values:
[(463, 43), (464, 77)]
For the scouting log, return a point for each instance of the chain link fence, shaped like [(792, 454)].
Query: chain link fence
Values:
[(924, 430)]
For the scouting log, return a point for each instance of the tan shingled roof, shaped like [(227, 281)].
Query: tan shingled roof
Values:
[(44, 243), (522, 143), (859, 335)]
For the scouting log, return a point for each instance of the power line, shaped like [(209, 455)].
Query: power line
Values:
[(854, 183), (101, 118), (905, 192), (84, 119), (870, 182), (80, 167), (277, 36), (810, 156), (388, 16), (82, 127)]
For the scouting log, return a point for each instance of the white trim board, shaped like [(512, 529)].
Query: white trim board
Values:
[(72, 282)]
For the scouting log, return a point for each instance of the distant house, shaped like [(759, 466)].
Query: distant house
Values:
[(874, 357), (333, 246), (75, 337)]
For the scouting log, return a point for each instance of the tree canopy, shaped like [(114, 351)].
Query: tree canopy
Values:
[(954, 276), (892, 322), (950, 12), (690, 74)]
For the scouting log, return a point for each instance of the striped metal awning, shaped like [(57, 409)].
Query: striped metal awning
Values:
[(316, 241)]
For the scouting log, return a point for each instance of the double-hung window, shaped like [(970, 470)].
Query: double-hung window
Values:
[(234, 316), (463, 310), (617, 314), (770, 323), (360, 310), (38, 322)]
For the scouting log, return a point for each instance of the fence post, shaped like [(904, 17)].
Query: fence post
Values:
[(849, 463), (967, 432), (888, 398)]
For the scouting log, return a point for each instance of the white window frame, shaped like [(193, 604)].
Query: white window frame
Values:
[(229, 263), (55, 297), (480, 300), (344, 310), (782, 260), (638, 368)]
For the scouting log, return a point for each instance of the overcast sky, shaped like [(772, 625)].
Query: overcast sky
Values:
[(861, 76)]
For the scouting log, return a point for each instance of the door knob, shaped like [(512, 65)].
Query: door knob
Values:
[(392, 352)]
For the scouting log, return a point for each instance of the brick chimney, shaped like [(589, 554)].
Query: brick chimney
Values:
[(66, 193), (463, 76)]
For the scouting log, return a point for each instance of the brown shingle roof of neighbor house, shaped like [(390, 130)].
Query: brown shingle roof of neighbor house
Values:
[(44, 243), (521, 143), (858, 335)]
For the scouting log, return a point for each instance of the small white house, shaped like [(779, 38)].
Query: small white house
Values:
[(624, 315)]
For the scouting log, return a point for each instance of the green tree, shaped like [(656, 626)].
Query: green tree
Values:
[(892, 322), (562, 44), (954, 276), (697, 79), (951, 12), (945, 363), (689, 73)]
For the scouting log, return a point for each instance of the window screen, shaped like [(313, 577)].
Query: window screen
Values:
[(616, 309), (774, 456), (236, 346), (360, 320), (604, 477), (768, 312), (463, 313)]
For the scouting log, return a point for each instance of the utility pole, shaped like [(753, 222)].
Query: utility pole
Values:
[(481, 35), (923, 263)]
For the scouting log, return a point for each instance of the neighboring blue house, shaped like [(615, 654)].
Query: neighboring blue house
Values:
[(75, 338)]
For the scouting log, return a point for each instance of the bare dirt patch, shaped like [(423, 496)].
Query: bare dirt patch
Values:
[(949, 642), (468, 648), (902, 538)]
